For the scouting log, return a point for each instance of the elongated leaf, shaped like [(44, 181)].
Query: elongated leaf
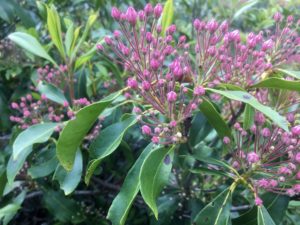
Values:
[(121, 205), (218, 211), (291, 73), (69, 38), (251, 100), (279, 84), (32, 45), (54, 27), (106, 143), (154, 175), (68, 181), (76, 129), (52, 93), (248, 117), (38, 133), (230, 87), (214, 118), (202, 170), (167, 16), (263, 217), (14, 165), (244, 8)]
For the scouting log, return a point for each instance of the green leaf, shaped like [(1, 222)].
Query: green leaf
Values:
[(154, 175), (167, 16), (106, 143), (248, 117), (217, 212), (263, 217), (52, 93), (54, 27), (251, 100), (32, 45), (75, 130), (279, 84), (214, 118), (62, 208), (247, 5), (69, 38), (43, 169), (122, 203), (274, 203), (68, 181), (38, 133), (201, 170), (14, 165), (91, 20), (291, 73)]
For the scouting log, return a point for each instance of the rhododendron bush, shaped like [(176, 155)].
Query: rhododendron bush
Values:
[(146, 123)]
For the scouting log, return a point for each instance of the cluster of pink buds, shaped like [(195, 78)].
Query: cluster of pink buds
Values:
[(30, 111), (268, 157), (57, 77), (286, 41), (158, 70)]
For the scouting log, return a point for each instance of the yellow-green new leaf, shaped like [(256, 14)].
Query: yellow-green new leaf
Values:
[(167, 16)]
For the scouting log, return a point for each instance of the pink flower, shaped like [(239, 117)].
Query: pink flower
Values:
[(296, 130), (297, 157), (199, 91), (173, 123)]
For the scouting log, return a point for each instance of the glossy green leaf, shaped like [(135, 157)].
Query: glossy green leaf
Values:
[(14, 165), (263, 217), (204, 170), (214, 118), (167, 16), (122, 203), (248, 117), (32, 45), (68, 181), (54, 27), (154, 175), (106, 143), (217, 212), (52, 93), (251, 100), (38, 133), (75, 130), (291, 73), (230, 87), (278, 84)]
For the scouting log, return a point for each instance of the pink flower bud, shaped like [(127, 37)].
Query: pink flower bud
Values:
[(155, 140), (267, 45), (108, 40), (297, 157), (226, 140), (296, 130), (158, 10), (100, 47), (173, 123), (132, 83), (258, 201), (26, 113), (146, 130), (266, 132), (148, 9), (66, 104), (260, 118), (284, 171), (277, 17), (131, 15), (171, 96), (199, 91), (297, 175), (115, 13), (146, 85), (14, 105), (252, 157), (171, 29), (273, 183)]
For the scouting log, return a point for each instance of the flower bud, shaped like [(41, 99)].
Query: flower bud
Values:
[(252, 157), (115, 13), (146, 130), (131, 16), (171, 96), (158, 10)]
